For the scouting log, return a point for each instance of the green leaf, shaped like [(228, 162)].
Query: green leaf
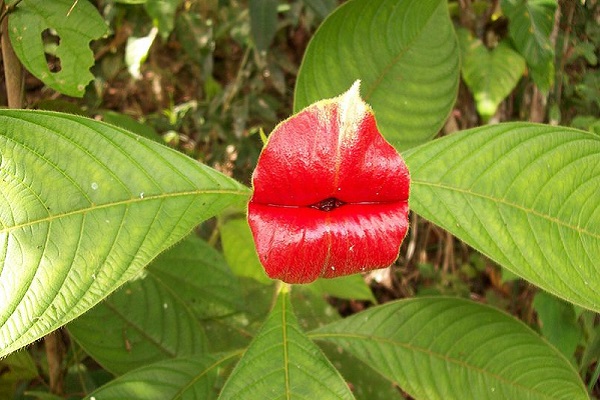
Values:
[(141, 323), (75, 26), (200, 277), (558, 323), (321, 7), (491, 75), (191, 281), (16, 368), (530, 25), (263, 22), (525, 195), (405, 53), (163, 13), (281, 362), (180, 378), (447, 348), (84, 207), (239, 250), (351, 287)]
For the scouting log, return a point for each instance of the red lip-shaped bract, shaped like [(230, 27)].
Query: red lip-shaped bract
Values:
[(330, 194)]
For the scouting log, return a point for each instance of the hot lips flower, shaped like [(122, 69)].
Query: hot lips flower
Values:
[(330, 194)]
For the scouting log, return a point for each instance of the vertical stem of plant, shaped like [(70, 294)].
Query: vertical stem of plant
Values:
[(538, 99), (54, 354), (13, 70), (569, 12)]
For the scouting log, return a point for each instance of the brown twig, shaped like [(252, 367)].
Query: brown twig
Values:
[(54, 353), (13, 70)]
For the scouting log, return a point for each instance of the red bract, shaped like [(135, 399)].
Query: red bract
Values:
[(330, 194)]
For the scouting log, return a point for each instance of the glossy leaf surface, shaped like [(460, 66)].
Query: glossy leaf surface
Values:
[(525, 195), (84, 207), (76, 26), (330, 194), (404, 52), (448, 348), (290, 365)]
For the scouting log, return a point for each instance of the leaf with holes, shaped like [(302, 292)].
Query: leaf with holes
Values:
[(75, 25), (404, 52), (525, 195), (281, 362), (84, 206), (449, 348)]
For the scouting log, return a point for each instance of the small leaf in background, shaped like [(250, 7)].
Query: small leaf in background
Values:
[(351, 287), (132, 125), (281, 362), (77, 227), (239, 251), (263, 22), (180, 378), (525, 195), (16, 368), (197, 38), (162, 13), (137, 50), (558, 323), (449, 348), (200, 277), (490, 74), (530, 25), (75, 27), (406, 55), (322, 7)]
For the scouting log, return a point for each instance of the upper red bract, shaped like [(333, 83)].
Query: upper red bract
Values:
[(330, 194)]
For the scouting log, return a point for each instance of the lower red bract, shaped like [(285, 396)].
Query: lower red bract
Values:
[(330, 194), (301, 244)]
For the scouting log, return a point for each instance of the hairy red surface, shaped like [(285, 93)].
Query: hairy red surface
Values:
[(330, 194)]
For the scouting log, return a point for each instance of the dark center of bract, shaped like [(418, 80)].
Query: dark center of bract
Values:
[(328, 204)]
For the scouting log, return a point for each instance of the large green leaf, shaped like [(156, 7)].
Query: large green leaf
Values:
[(525, 195), (405, 53), (530, 25), (75, 25), (141, 323), (281, 362), (490, 74), (446, 348), (84, 206), (180, 378), (157, 316)]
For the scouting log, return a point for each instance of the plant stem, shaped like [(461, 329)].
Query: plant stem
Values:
[(13, 70), (54, 354)]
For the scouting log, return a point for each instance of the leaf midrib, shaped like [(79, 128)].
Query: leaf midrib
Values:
[(96, 207), (461, 363), (519, 207)]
